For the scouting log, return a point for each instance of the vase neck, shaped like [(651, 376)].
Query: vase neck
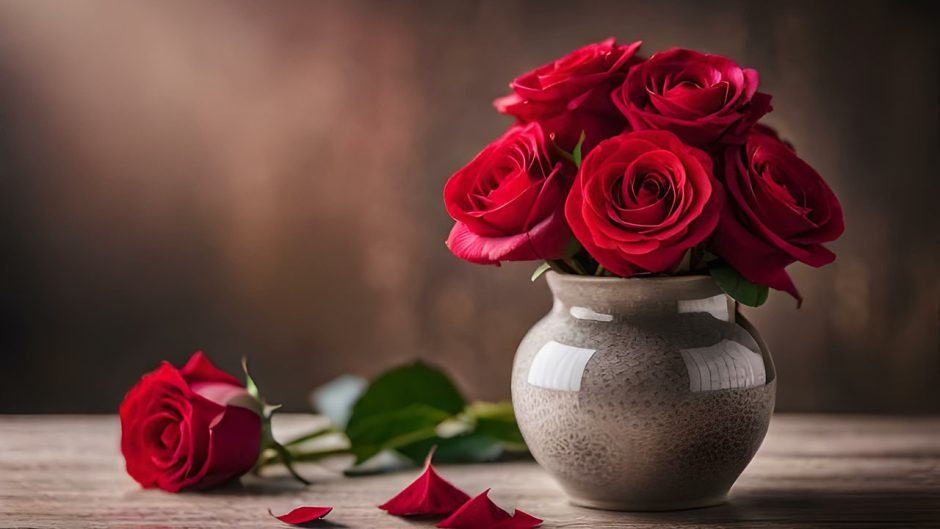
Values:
[(593, 297)]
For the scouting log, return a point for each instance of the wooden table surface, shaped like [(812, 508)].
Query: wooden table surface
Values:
[(812, 471)]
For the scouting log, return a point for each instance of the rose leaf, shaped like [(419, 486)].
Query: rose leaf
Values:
[(412, 384), (393, 429), (736, 286)]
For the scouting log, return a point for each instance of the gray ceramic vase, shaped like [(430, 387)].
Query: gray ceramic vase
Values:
[(643, 394)]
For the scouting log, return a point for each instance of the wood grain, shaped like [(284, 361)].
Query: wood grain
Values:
[(813, 471)]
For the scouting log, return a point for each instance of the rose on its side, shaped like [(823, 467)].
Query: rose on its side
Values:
[(641, 200), (571, 95), (780, 211), (189, 428), (508, 202), (704, 99)]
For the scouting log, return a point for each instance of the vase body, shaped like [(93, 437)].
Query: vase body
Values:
[(643, 394)]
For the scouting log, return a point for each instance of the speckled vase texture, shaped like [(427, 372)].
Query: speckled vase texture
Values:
[(643, 393)]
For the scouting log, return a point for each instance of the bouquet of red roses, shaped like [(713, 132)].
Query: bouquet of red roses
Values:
[(620, 165)]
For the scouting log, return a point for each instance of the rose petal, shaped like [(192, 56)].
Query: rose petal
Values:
[(302, 515), (519, 520), (200, 369), (641, 200), (482, 513), (233, 445), (429, 494), (704, 99)]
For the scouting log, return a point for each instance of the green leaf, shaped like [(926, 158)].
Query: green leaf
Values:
[(493, 431), (742, 290), (463, 448), (407, 410), (496, 420), (542, 268), (409, 385), (393, 429), (576, 154)]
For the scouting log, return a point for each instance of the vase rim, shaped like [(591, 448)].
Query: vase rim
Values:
[(686, 278), (614, 290)]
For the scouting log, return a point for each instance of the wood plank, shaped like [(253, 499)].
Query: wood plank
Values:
[(813, 471)]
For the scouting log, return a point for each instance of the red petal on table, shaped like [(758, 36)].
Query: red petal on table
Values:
[(429, 494), (519, 520), (302, 514), (478, 513)]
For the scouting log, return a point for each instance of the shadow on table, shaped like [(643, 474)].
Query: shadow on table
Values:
[(811, 508), (255, 486)]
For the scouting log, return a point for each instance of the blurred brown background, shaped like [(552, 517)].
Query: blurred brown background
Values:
[(264, 178)]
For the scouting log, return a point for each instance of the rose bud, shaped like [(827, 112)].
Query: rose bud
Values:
[(509, 201), (572, 94), (704, 99), (189, 428), (641, 200), (779, 211)]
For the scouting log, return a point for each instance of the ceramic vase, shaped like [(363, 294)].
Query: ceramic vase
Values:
[(643, 393)]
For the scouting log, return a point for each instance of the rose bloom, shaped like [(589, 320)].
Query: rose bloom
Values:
[(780, 211), (189, 428), (509, 201), (572, 94), (704, 99), (641, 200)]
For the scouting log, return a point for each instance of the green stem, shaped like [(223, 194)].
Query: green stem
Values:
[(287, 459), (571, 262), (559, 266), (600, 270), (305, 457), (311, 435), (564, 154)]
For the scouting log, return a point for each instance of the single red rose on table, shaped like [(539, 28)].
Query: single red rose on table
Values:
[(571, 95), (779, 211), (642, 200), (189, 428), (704, 99), (509, 201)]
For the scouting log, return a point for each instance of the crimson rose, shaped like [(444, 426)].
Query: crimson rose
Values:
[(509, 201), (641, 200), (704, 99), (572, 94), (189, 428), (780, 211)]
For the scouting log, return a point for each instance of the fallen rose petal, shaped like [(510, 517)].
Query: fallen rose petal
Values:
[(302, 515), (478, 513), (429, 494), (519, 520)]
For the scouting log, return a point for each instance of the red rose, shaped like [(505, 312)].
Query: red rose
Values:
[(704, 99), (509, 201), (641, 200), (190, 428), (780, 211), (572, 94)]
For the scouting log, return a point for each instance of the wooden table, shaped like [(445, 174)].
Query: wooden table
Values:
[(812, 471)]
